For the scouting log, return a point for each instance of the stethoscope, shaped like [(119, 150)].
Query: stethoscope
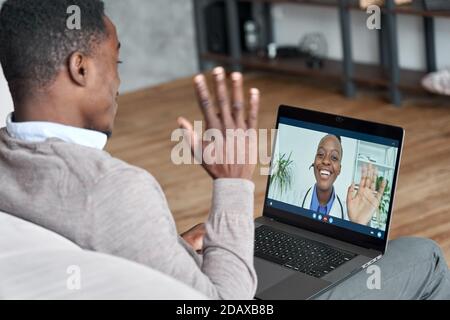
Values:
[(337, 197)]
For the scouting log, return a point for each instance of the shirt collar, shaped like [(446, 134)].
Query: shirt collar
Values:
[(315, 201), (37, 131)]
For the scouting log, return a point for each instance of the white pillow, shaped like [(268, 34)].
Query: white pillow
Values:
[(38, 264), (83, 275), (18, 236)]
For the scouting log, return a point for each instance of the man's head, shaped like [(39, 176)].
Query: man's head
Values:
[(56, 73), (327, 163)]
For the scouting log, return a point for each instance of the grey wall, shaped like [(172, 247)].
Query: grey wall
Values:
[(158, 42), (293, 21)]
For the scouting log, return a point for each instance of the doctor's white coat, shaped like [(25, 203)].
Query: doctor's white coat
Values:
[(304, 201)]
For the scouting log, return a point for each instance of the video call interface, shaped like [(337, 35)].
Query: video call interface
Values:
[(334, 176)]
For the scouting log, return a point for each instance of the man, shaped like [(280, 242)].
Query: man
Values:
[(54, 173), (64, 84)]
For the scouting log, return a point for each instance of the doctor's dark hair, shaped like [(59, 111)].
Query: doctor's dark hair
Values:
[(35, 41)]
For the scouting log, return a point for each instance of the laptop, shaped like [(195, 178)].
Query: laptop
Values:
[(329, 202)]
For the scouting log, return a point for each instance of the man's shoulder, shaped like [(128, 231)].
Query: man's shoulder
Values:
[(102, 173), (99, 164), (77, 164)]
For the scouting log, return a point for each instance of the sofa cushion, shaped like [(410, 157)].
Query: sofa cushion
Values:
[(38, 264), (83, 275), (19, 236)]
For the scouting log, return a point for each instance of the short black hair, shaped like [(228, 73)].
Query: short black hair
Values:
[(35, 40)]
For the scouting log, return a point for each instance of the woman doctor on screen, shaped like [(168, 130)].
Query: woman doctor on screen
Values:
[(359, 206)]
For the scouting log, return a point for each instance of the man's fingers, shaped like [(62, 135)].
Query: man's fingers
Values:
[(204, 100), (254, 109), (222, 97), (238, 99), (189, 134), (186, 125), (194, 236)]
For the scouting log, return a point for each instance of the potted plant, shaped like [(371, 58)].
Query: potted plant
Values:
[(282, 174)]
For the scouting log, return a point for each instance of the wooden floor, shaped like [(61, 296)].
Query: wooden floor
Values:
[(422, 208)]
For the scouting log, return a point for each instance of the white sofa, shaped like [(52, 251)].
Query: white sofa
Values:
[(38, 264)]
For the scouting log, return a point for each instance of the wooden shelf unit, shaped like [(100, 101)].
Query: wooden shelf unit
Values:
[(365, 74), (408, 9), (386, 74)]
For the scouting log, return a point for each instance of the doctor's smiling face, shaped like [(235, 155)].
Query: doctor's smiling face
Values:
[(327, 164)]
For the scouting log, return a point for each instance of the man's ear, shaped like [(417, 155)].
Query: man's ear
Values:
[(78, 68)]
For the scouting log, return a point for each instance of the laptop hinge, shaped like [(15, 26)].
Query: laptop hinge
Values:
[(372, 261)]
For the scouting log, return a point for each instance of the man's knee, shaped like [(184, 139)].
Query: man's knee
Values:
[(416, 248)]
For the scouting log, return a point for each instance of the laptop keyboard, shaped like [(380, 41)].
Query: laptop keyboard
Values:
[(297, 253)]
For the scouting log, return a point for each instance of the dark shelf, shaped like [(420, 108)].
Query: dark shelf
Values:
[(417, 11), (294, 66), (407, 9), (363, 73), (323, 3)]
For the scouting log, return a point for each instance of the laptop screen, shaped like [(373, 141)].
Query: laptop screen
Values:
[(333, 175)]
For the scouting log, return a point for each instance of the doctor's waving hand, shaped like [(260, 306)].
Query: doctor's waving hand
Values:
[(364, 203)]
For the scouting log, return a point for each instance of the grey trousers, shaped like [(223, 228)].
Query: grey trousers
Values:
[(412, 268)]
